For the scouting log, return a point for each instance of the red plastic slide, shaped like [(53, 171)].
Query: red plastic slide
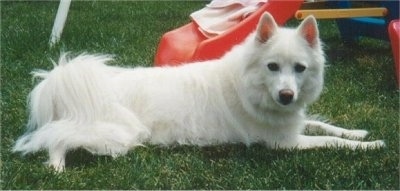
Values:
[(394, 35), (188, 44)]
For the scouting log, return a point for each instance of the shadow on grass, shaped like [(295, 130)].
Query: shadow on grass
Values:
[(81, 158)]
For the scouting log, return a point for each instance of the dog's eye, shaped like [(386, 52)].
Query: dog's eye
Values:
[(299, 68), (273, 66)]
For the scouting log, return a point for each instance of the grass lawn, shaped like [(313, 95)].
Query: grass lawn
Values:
[(360, 92)]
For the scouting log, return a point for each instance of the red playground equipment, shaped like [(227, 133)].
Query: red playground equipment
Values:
[(394, 35), (188, 44)]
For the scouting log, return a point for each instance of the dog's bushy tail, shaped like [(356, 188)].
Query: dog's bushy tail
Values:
[(74, 89), (75, 106)]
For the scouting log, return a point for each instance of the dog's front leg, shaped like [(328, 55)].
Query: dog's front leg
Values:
[(317, 126), (308, 142)]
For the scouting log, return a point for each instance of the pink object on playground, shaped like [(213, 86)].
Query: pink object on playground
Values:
[(394, 35), (188, 44)]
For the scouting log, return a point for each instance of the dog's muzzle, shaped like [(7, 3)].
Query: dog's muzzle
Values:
[(286, 96)]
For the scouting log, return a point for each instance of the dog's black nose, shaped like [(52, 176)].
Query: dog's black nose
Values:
[(286, 96)]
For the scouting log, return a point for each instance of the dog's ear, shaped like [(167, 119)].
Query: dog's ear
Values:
[(266, 27), (309, 31)]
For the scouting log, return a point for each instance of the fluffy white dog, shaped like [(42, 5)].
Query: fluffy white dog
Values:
[(257, 92)]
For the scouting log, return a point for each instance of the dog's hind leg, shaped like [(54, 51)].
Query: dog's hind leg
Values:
[(57, 157), (98, 137), (318, 126)]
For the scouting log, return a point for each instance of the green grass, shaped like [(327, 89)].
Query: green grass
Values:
[(360, 92)]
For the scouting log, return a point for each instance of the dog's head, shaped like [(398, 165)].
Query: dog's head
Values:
[(287, 64)]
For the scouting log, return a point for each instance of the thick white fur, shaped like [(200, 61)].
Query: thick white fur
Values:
[(84, 103)]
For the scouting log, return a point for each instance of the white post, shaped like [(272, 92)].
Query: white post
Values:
[(59, 22)]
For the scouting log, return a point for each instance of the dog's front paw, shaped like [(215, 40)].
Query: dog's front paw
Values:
[(355, 134), (373, 144)]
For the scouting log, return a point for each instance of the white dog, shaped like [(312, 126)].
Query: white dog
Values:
[(257, 92)]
